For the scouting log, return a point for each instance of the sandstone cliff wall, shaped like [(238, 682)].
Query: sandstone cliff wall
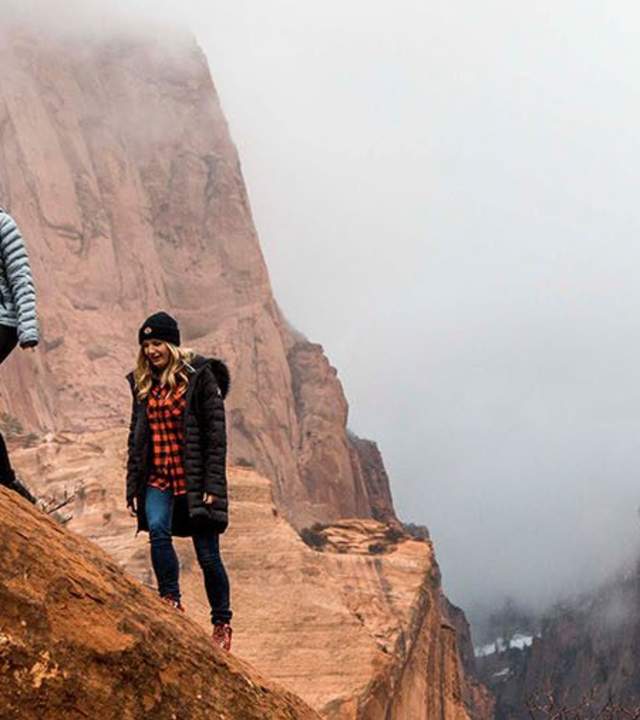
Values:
[(476, 695), (116, 160)]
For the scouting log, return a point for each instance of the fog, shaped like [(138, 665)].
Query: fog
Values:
[(445, 193), (446, 196)]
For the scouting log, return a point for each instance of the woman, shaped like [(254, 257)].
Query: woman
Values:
[(18, 318), (176, 471)]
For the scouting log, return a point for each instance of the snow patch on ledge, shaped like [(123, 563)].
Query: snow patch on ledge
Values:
[(519, 642)]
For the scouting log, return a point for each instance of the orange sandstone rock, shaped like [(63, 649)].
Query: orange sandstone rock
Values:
[(116, 160), (78, 639), (352, 623)]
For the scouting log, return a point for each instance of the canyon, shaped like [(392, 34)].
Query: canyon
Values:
[(587, 648), (124, 216), (117, 162)]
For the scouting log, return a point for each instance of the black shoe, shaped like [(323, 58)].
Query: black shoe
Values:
[(24, 491), (11, 481)]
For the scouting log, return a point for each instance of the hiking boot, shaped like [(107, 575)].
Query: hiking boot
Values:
[(10, 481), (222, 636), (175, 603), (19, 487)]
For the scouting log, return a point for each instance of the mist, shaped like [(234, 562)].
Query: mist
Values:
[(445, 195)]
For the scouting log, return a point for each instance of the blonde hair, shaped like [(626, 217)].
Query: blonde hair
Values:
[(175, 375)]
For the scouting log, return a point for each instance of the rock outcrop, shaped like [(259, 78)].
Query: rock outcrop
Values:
[(116, 160), (477, 697), (78, 639), (351, 621), (587, 649)]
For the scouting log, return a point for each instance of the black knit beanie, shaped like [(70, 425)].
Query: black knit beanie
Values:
[(160, 326)]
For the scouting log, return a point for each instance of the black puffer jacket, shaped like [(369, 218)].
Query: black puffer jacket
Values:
[(205, 451)]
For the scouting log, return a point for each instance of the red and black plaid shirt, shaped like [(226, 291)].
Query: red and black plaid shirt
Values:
[(165, 413)]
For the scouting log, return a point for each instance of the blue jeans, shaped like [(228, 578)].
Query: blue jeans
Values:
[(159, 512)]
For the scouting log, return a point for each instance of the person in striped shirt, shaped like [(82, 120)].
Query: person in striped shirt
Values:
[(18, 318)]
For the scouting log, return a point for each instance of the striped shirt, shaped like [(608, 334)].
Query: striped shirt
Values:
[(165, 413), (17, 293)]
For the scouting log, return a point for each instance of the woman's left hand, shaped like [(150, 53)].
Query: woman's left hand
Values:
[(209, 498)]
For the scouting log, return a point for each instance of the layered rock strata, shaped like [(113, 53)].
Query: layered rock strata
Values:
[(477, 696), (352, 621), (116, 160), (78, 639)]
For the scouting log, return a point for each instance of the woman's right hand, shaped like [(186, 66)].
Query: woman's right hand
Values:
[(132, 505)]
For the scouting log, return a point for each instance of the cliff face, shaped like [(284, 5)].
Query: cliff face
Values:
[(352, 621), (476, 695), (79, 639), (589, 646), (116, 161)]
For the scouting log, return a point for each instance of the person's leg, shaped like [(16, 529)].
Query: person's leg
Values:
[(8, 341), (159, 510), (7, 476), (216, 581)]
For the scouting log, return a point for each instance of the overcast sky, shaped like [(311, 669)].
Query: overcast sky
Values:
[(446, 195)]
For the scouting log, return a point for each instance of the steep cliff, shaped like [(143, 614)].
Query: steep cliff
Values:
[(589, 645), (78, 639), (352, 621), (476, 695), (116, 161)]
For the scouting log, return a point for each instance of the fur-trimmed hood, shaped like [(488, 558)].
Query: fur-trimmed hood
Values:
[(219, 369)]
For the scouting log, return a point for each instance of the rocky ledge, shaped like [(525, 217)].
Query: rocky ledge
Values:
[(357, 630), (79, 639)]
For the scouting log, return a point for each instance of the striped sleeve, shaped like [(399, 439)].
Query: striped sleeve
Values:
[(18, 271)]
